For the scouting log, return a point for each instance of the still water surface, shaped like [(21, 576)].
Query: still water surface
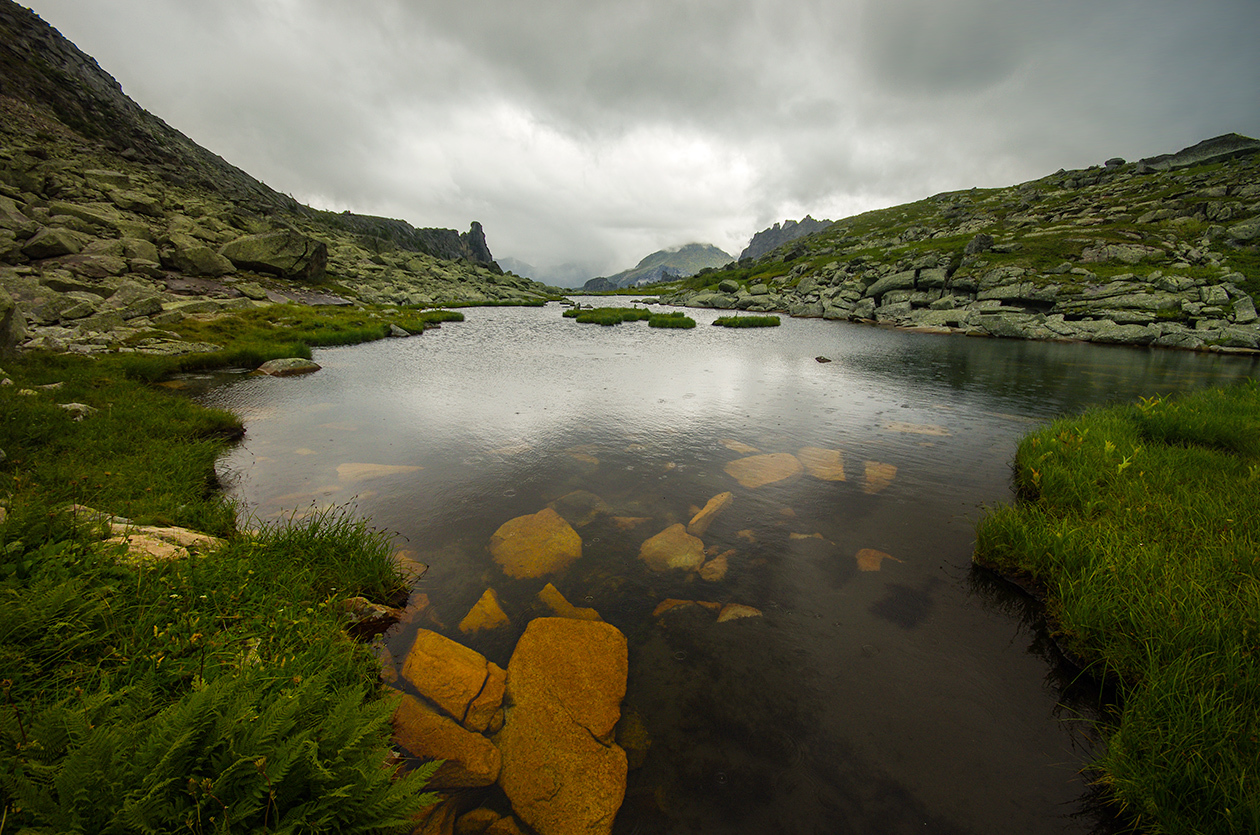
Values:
[(919, 697)]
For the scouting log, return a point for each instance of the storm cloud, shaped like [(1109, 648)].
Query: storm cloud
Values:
[(596, 132)]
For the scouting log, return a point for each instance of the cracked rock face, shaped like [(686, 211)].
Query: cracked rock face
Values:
[(561, 769)]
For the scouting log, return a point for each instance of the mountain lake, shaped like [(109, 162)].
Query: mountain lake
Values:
[(887, 686)]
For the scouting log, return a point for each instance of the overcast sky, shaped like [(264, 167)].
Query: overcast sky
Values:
[(596, 132)]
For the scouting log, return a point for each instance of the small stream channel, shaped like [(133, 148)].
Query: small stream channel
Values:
[(921, 696)]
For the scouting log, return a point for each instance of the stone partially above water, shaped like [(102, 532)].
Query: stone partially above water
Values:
[(534, 546), (562, 771), (289, 367), (673, 548), (760, 470)]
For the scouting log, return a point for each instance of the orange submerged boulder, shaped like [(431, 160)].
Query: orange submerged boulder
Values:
[(561, 770), (536, 545)]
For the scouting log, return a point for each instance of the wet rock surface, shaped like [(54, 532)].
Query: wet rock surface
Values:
[(1157, 252), (562, 771)]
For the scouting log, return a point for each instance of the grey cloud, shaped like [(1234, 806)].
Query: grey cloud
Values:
[(596, 130)]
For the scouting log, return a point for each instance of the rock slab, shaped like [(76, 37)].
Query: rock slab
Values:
[(536, 545), (562, 771), (673, 548)]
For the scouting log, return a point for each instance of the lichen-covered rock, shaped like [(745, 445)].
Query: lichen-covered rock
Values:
[(562, 771), (200, 260), (12, 323), (535, 545), (288, 367), (673, 549), (285, 253), (52, 241)]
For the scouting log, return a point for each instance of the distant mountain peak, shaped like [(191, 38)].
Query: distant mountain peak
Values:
[(663, 265), (779, 234)]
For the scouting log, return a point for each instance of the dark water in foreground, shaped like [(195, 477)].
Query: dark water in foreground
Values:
[(917, 698)]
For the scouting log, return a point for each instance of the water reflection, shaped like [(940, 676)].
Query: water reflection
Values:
[(881, 689)]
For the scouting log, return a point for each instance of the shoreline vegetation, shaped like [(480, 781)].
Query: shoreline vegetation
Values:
[(746, 321), (1136, 524), (1138, 527), (221, 692)]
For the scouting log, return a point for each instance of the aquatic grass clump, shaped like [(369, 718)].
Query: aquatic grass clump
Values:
[(675, 319), (747, 321), (1142, 525), (607, 316)]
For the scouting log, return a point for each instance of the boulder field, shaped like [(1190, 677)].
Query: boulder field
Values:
[(1162, 252)]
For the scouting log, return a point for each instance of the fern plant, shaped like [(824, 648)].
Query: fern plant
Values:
[(240, 754)]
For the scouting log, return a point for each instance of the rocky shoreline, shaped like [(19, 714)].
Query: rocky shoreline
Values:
[(1161, 252)]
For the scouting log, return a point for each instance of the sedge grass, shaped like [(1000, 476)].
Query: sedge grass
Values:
[(218, 693), (675, 319), (606, 316), (1142, 523), (747, 321)]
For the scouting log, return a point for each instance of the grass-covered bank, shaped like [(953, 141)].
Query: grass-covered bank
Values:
[(1142, 525), (218, 693)]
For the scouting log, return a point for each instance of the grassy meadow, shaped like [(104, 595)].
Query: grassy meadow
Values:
[(1141, 523), (220, 693)]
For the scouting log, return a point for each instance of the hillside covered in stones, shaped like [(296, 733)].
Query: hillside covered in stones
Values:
[(113, 225), (1164, 251)]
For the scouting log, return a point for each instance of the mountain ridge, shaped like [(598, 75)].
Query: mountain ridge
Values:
[(662, 265), (1162, 252), (114, 225)]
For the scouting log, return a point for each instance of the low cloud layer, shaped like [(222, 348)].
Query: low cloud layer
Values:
[(594, 132)]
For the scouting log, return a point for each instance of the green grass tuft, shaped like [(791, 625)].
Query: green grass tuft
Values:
[(747, 321), (607, 316), (676, 319), (1142, 523)]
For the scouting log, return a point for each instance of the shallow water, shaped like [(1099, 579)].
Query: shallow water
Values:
[(919, 697)]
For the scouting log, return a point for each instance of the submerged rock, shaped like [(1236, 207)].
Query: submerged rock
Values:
[(822, 464), (450, 674), (699, 524), (673, 548), (735, 611), (562, 771), (868, 559), (760, 470), (486, 613), (534, 546), (878, 476), (551, 597), (469, 758), (716, 568), (355, 471)]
